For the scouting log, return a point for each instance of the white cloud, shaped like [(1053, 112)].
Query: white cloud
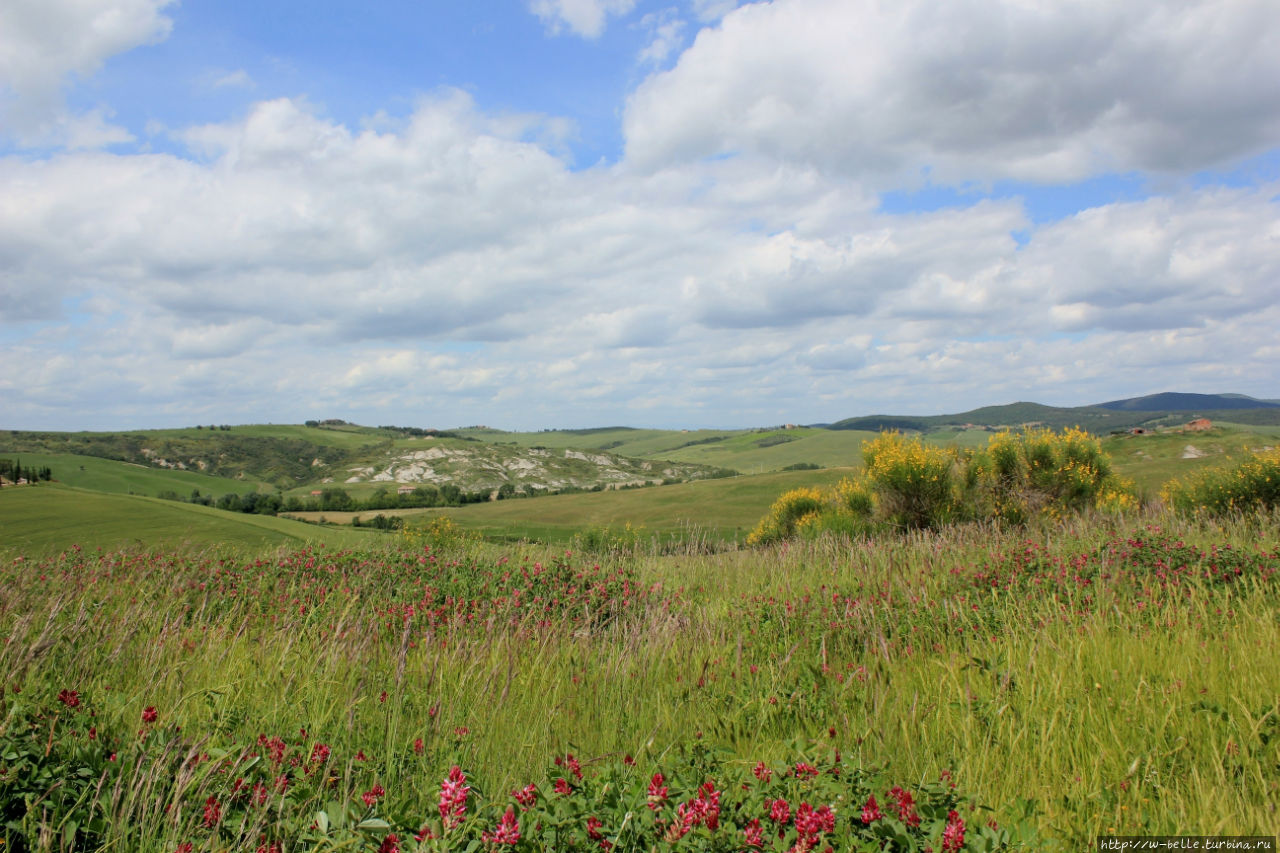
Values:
[(306, 267), (586, 18), (45, 43), (665, 36), (1049, 92), (238, 79)]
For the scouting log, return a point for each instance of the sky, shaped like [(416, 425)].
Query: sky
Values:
[(682, 213)]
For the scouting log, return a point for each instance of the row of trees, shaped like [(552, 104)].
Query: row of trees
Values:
[(339, 500), (12, 470)]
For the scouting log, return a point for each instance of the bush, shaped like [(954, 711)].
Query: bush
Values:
[(1023, 475), (910, 485), (914, 484), (786, 514), (608, 540), (1250, 485), (441, 533)]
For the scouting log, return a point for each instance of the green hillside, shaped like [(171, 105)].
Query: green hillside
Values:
[(36, 520), (1153, 459), (129, 478), (715, 509)]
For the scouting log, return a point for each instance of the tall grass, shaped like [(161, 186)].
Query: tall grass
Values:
[(1070, 681)]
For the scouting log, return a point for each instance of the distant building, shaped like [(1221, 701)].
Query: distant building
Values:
[(1199, 425), (315, 493), (1137, 431), (405, 490)]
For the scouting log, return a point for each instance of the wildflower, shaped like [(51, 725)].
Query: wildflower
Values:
[(803, 769), (779, 811), (507, 831), (526, 796), (149, 714), (871, 811), (70, 698), (953, 835), (593, 828), (212, 812), (811, 822), (390, 844), (319, 754), (764, 774), (184, 847), (657, 791), (418, 746), (752, 835), (562, 787), (453, 798), (906, 806)]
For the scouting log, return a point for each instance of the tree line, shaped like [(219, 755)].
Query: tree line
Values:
[(12, 470)]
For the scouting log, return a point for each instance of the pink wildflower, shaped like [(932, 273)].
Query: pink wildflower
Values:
[(906, 806), (453, 798), (953, 835), (507, 831), (871, 811), (212, 812)]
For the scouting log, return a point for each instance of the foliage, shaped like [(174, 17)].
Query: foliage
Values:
[(908, 484), (440, 532), (1038, 471), (789, 512), (1250, 485), (608, 539)]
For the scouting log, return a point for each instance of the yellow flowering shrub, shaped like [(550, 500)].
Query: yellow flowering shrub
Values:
[(908, 484), (1252, 484)]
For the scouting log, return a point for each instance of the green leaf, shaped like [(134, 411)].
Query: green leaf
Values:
[(373, 823)]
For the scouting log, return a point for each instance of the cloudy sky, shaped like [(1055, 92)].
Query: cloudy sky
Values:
[(680, 213)]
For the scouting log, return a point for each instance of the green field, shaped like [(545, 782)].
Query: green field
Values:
[(129, 478), (1152, 460), (49, 517), (724, 509)]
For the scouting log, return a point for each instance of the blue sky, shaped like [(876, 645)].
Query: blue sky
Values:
[(572, 212)]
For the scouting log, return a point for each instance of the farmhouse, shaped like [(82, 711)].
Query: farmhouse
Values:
[(1199, 425)]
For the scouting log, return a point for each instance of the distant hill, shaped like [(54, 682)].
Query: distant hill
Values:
[(1155, 409), (1176, 402)]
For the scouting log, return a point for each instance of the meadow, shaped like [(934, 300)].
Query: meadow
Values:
[(974, 688), (179, 678)]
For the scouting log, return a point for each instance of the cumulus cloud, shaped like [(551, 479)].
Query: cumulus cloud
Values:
[(1048, 92), (666, 31), (586, 18), (448, 264), (45, 44), (445, 264)]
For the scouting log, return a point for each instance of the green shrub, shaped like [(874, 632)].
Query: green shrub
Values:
[(786, 514), (1250, 485), (911, 485), (1036, 472)]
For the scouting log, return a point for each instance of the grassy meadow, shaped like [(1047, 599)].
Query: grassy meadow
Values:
[(179, 678), (1088, 677), (48, 519)]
